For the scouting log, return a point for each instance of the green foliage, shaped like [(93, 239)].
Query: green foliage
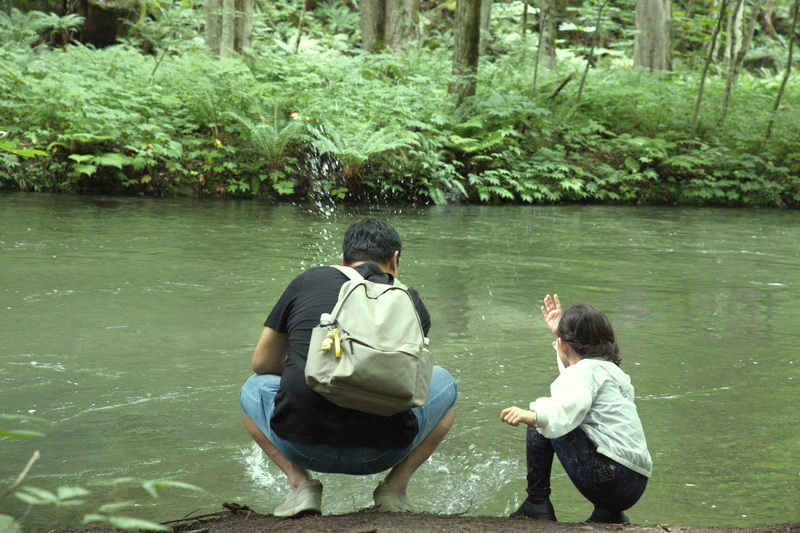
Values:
[(20, 433), (125, 522), (77, 496), (9, 525), (63, 497), (356, 143), (271, 139), (152, 486), (28, 28), (158, 115)]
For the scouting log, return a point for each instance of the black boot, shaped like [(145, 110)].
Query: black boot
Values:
[(537, 509), (605, 516)]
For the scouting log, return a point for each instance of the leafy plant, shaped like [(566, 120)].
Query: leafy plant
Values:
[(271, 139), (27, 28), (13, 147), (354, 145), (76, 496)]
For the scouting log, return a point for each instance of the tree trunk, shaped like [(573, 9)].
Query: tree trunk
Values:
[(244, 25), (402, 23), (466, 48), (226, 40), (538, 58), (229, 26), (709, 58), (787, 72), (548, 25), (373, 19), (766, 20), (524, 18), (733, 30), (101, 24), (652, 45), (748, 38), (738, 61), (213, 30), (486, 24), (595, 41)]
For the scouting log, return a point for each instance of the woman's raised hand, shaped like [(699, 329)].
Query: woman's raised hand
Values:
[(551, 310)]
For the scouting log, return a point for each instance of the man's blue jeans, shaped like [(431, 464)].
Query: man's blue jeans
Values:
[(258, 400), (601, 480)]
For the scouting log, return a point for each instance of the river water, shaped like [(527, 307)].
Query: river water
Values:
[(128, 326)]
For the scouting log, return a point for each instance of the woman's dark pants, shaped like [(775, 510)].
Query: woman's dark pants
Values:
[(602, 481)]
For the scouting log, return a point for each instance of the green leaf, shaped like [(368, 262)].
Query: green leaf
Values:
[(116, 506), (71, 503), (30, 500), (81, 158), (112, 159), (34, 496), (24, 152), (284, 187), (9, 525), (80, 168), (571, 184), (23, 417), (153, 485), (28, 152), (124, 480), (18, 433), (65, 493), (125, 522)]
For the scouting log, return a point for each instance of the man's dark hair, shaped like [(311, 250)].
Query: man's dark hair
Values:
[(587, 330), (370, 239)]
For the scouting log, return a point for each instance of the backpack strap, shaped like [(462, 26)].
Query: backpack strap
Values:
[(353, 274), (350, 272)]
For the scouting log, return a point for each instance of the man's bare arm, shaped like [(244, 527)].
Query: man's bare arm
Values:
[(270, 354)]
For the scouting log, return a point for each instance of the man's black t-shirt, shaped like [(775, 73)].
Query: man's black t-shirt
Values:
[(303, 416)]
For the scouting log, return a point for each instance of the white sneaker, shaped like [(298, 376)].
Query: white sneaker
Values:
[(392, 500), (304, 500)]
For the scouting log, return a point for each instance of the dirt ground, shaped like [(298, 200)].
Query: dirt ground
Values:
[(240, 519)]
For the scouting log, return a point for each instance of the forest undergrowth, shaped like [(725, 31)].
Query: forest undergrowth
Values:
[(158, 114)]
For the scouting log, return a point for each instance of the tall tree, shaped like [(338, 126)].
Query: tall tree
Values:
[(733, 41), (709, 59), (550, 14), (486, 24), (466, 48), (652, 45), (373, 20), (402, 23), (787, 72), (392, 23), (738, 61), (229, 26), (595, 42)]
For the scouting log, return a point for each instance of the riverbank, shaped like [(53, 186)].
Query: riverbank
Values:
[(326, 120), (240, 519)]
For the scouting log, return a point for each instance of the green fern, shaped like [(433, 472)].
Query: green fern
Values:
[(356, 145), (271, 137)]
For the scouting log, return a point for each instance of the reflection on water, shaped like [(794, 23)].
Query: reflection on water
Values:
[(128, 325)]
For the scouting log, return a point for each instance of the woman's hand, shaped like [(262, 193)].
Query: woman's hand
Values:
[(552, 312), (514, 415)]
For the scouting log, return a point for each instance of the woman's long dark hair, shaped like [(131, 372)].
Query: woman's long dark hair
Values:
[(587, 330)]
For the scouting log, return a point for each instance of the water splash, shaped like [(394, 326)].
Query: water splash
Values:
[(256, 469), (473, 479), (322, 207)]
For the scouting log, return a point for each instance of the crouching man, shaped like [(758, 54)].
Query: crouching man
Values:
[(302, 432)]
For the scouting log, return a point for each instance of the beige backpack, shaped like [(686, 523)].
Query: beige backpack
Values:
[(369, 353)]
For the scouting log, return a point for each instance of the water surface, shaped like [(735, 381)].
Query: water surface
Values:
[(128, 325)]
